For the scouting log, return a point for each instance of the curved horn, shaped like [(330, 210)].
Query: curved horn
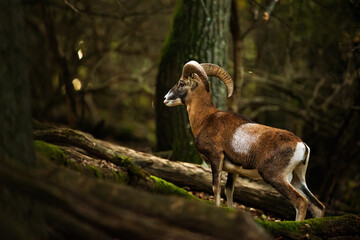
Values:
[(215, 70), (194, 67)]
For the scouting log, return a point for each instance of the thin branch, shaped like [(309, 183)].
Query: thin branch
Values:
[(269, 103), (269, 10), (262, 109), (274, 82), (72, 6), (274, 15), (318, 85)]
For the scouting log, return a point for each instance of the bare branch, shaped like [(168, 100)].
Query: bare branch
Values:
[(72, 6), (269, 9)]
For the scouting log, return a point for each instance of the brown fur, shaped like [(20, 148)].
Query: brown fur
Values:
[(214, 130)]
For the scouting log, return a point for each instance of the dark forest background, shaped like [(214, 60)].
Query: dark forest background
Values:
[(97, 66)]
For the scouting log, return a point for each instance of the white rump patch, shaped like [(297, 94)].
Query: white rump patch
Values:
[(299, 153), (298, 157), (244, 137)]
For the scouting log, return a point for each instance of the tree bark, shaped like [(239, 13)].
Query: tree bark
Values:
[(15, 117), (19, 214), (237, 42), (199, 31)]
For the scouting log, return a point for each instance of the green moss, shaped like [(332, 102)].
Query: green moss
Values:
[(164, 187), (50, 151), (96, 171), (55, 154), (132, 176), (116, 176), (171, 39), (74, 165), (317, 224), (121, 177), (135, 173), (313, 227), (287, 228), (280, 226)]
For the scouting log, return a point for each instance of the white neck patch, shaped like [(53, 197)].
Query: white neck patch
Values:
[(244, 137)]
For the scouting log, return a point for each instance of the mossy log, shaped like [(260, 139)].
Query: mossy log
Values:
[(252, 193), (338, 227), (196, 177), (76, 159), (68, 137)]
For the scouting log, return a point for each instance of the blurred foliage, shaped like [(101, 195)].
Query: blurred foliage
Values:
[(111, 49), (301, 73)]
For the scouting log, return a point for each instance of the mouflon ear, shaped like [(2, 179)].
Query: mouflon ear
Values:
[(193, 84)]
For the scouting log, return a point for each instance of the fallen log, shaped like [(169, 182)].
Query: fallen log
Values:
[(196, 177), (79, 160), (338, 227)]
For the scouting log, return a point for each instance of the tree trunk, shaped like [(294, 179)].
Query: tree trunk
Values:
[(237, 42), (79, 152), (19, 213), (199, 31), (63, 67), (15, 117)]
